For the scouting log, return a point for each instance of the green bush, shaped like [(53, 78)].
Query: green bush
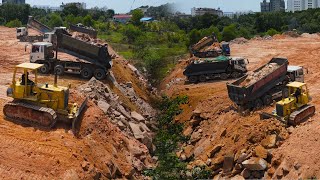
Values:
[(229, 32), (272, 32), (14, 23), (167, 139), (2, 21), (55, 20)]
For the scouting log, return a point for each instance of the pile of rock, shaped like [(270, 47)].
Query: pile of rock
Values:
[(267, 37), (130, 122), (240, 40), (293, 34), (255, 76)]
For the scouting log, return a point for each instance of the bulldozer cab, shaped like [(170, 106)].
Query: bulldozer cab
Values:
[(298, 97), (299, 91), (24, 81)]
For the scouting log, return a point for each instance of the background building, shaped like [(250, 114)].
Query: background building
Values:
[(272, 6), (265, 6), (202, 11), (229, 14), (14, 1), (77, 4), (300, 5)]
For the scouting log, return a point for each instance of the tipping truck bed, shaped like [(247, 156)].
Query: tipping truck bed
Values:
[(256, 89), (38, 26), (92, 53), (91, 32)]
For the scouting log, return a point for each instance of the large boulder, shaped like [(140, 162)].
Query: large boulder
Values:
[(255, 164)]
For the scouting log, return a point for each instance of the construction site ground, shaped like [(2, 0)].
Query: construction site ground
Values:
[(296, 149), (100, 150)]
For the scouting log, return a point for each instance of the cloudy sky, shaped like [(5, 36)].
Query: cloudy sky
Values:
[(122, 6)]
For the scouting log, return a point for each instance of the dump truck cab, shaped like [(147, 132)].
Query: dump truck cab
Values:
[(41, 51), (225, 48), (239, 64), (48, 37), (295, 73), (21, 31)]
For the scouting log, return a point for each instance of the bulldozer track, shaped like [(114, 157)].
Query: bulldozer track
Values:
[(301, 114), (29, 145), (7, 172), (20, 106)]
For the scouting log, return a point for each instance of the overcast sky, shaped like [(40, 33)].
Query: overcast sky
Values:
[(123, 6)]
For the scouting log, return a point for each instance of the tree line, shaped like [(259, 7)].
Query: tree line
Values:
[(156, 46)]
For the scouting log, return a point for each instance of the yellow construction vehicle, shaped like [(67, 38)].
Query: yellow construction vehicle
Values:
[(295, 108), (39, 105)]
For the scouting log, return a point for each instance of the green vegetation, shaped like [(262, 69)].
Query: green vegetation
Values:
[(14, 23), (167, 139)]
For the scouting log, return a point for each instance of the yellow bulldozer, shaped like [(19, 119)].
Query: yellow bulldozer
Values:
[(295, 108), (39, 105)]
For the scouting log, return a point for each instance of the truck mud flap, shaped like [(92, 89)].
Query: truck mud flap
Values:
[(78, 118)]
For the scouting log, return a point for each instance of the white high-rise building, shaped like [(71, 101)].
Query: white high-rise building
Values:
[(300, 5)]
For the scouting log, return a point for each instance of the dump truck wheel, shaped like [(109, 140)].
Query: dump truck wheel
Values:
[(235, 74), (193, 79), (86, 73), (224, 76), (100, 74), (44, 69), (267, 100), (59, 69), (202, 78), (258, 104)]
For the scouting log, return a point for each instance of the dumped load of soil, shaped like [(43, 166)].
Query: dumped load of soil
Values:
[(255, 76), (213, 47), (240, 40), (293, 34)]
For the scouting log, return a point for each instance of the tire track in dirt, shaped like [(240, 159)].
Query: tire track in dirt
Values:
[(7, 172)]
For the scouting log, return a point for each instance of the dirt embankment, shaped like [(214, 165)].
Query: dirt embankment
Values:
[(221, 139), (101, 150)]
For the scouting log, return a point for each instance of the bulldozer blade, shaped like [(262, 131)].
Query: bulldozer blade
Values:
[(77, 120), (264, 115)]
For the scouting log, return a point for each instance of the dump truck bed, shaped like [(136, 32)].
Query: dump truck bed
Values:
[(38, 26), (83, 50), (250, 87), (206, 67), (91, 32)]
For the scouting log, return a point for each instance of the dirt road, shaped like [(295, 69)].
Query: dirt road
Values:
[(222, 125), (102, 150)]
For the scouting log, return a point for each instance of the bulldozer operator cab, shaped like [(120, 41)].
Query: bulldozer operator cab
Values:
[(24, 81), (298, 97), (41, 51)]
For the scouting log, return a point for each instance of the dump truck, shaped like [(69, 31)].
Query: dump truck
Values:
[(83, 29), (264, 84), (210, 47), (22, 32), (40, 105), (93, 60), (203, 69)]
